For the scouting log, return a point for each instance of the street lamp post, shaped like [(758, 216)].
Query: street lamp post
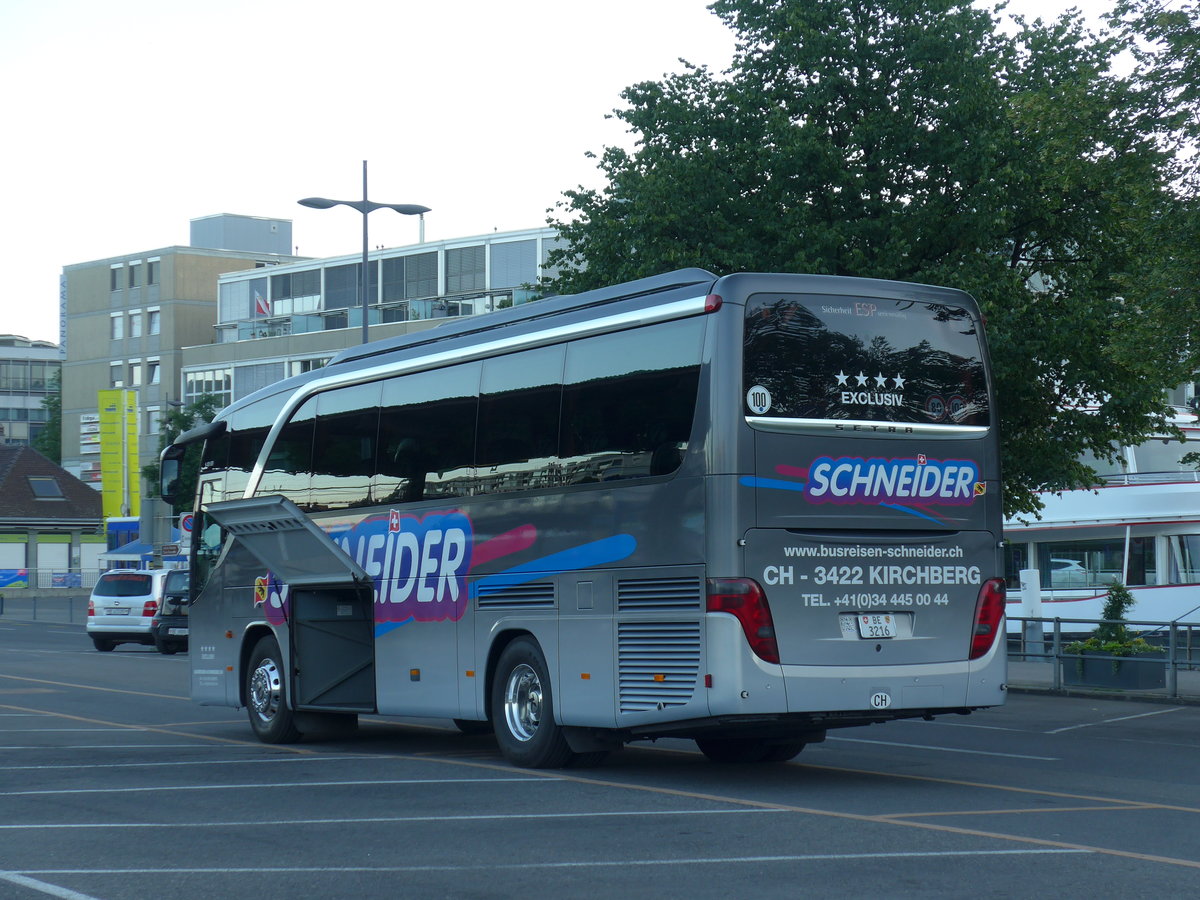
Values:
[(366, 207)]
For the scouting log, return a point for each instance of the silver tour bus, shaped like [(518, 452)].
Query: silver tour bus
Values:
[(742, 510)]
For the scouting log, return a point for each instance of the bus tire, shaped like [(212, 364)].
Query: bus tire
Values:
[(523, 709), (271, 717)]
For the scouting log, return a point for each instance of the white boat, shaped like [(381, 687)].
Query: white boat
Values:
[(1139, 526)]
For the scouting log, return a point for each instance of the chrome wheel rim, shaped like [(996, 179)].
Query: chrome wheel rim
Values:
[(523, 702), (266, 690)]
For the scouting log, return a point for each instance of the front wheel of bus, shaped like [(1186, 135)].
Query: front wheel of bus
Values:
[(266, 695), (523, 709)]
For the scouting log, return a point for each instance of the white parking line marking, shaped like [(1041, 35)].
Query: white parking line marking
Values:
[(51, 890), (258, 786), (581, 864), (1157, 712), (174, 764), (391, 820), (944, 749)]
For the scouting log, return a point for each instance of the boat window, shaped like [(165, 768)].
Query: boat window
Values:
[(1184, 553), (1067, 565)]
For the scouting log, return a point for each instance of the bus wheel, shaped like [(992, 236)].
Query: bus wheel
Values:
[(523, 709), (747, 750), (266, 695)]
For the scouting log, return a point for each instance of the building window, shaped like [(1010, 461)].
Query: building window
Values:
[(154, 321), (152, 272), (135, 324), (465, 269), (45, 487), (135, 374), (115, 379), (420, 275), (514, 264), (116, 326), (153, 372), (134, 275), (114, 278)]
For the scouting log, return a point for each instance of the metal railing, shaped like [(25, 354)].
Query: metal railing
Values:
[(1045, 640), (42, 607), (13, 581)]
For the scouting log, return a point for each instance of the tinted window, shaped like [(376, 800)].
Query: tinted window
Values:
[(629, 401), (519, 407), (344, 447), (124, 584), (427, 435), (288, 467), (872, 359)]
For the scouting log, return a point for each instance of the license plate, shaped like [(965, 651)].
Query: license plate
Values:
[(117, 611), (876, 625), (177, 631)]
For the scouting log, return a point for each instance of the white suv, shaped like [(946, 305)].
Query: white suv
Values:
[(123, 605)]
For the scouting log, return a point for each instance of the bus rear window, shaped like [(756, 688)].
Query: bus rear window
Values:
[(863, 359)]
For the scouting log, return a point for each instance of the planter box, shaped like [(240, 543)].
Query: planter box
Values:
[(1145, 671)]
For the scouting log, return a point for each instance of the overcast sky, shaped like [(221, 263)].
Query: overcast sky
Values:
[(126, 119)]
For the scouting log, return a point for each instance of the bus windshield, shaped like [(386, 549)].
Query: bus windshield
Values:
[(812, 357)]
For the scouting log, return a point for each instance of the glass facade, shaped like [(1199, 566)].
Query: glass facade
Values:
[(448, 279)]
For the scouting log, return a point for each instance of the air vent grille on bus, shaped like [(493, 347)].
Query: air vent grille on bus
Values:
[(658, 593), (658, 664), (536, 595)]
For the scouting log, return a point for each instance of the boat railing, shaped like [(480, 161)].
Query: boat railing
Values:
[(1131, 478), (1044, 640)]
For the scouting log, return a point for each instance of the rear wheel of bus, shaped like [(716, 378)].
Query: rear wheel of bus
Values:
[(266, 695), (523, 712)]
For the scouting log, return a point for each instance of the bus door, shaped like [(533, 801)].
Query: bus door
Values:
[(330, 604)]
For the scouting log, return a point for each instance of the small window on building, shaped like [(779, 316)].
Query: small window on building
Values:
[(114, 278), (153, 373), (45, 487), (116, 326), (135, 374), (152, 272), (134, 276), (154, 321), (135, 324), (115, 376)]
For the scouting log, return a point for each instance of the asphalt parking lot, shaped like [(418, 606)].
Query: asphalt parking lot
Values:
[(114, 785)]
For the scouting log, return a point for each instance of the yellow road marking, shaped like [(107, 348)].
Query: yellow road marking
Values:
[(153, 730)]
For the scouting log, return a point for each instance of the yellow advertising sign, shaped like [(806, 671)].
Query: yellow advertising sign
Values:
[(120, 479)]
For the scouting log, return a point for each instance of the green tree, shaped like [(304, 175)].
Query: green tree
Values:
[(49, 440), (175, 422), (914, 139)]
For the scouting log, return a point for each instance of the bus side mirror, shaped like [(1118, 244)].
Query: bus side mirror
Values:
[(168, 473)]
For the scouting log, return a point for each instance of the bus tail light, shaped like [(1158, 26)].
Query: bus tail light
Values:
[(989, 614), (744, 599)]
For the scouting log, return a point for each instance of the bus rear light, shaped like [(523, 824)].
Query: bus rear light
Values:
[(712, 303), (989, 614), (744, 599)]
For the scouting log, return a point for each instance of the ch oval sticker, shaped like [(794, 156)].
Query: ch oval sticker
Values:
[(880, 700)]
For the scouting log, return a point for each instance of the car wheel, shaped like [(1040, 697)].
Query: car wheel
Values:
[(103, 644)]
